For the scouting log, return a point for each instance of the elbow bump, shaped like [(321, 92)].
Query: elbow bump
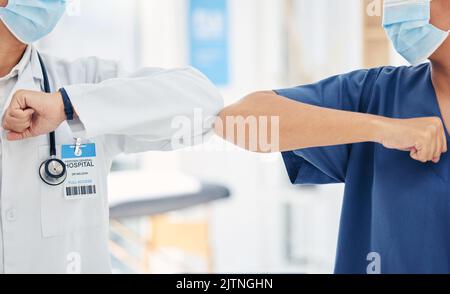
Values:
[(213, 105)]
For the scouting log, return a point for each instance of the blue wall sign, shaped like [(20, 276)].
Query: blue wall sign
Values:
[(208, 39)]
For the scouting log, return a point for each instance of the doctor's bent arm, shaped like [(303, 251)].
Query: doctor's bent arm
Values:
[(302, 125), (132, 112)]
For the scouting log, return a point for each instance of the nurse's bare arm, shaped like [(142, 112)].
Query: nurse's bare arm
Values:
[(302, 126)]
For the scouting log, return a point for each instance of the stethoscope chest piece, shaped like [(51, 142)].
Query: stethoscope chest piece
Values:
[(53, 172)]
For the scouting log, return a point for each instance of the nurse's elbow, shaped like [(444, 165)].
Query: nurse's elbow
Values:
[(246, 106), (241, 124), (227, 114)]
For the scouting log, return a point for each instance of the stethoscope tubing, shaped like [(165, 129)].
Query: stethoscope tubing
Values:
[(47, 89)]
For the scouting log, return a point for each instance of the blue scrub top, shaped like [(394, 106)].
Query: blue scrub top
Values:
[(396, 210)]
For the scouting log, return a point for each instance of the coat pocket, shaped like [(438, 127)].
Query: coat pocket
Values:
[(61, 216)]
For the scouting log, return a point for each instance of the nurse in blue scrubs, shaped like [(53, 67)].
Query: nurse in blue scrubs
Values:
[(383, 133)]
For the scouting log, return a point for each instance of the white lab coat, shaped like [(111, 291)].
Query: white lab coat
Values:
[(41, 232)]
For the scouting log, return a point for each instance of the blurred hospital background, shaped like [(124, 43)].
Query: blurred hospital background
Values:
[(218, 209)]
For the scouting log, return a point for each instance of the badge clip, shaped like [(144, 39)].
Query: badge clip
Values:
[(78, 152)]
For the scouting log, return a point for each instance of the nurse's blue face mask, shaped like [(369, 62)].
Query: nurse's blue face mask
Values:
[(407, 23), (30, 20)]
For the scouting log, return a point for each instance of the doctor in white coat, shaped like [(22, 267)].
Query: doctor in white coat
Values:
[(64, 228)]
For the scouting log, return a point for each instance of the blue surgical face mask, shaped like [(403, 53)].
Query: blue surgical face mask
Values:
[(30, 20), (407, 23)]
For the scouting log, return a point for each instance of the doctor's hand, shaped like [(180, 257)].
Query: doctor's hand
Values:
[(424, 138), (32, 114)]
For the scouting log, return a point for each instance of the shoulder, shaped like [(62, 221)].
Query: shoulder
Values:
[(396, 85), (401, 73), (387, 73), (381, 88), (402, 78)]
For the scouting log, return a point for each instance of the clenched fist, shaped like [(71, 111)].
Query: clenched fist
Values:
[(32, 113), (424, 138)]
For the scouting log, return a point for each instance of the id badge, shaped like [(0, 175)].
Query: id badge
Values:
[(81, 167)]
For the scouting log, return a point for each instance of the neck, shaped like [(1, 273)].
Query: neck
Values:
[(441, 76), (11, 51), (10, 57)]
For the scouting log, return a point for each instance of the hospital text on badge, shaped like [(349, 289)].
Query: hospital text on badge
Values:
[(81, 171)]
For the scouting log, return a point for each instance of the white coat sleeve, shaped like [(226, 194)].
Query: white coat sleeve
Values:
[(152, 109)]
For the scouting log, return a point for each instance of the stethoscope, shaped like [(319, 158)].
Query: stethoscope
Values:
[(52, 171)]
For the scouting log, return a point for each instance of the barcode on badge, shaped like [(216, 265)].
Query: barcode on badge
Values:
[(81, 190)]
